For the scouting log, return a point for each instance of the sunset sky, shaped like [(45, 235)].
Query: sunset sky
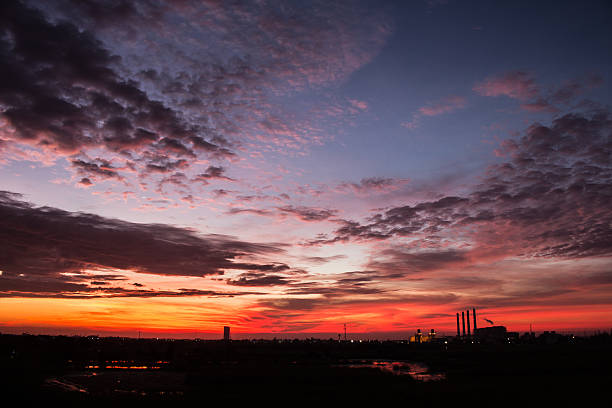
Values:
[(285, 167)]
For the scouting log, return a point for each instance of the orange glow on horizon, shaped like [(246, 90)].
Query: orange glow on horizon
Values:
[(202, 317)]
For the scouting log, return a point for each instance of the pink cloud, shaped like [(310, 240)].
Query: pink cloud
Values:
[(359, 104), (515, 84), (446, 105), (413, 124)]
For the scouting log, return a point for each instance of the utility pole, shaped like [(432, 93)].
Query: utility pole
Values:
[(344, 331)]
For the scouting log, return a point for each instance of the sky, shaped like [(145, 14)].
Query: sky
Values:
[(288, 167)]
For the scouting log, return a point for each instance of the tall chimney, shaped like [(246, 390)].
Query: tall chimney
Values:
[(463, 321), (474, 315), (458, 330), (468, 321)]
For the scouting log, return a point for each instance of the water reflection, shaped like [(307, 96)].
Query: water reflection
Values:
[(417, 371), (125, 365), (64, 385)]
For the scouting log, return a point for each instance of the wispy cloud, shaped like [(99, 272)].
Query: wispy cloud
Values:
[(443, 106), (534, 98)]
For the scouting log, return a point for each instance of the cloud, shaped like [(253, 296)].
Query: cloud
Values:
[(85, 181), (163, 165), (62, 92), (308, 213), (446, 105), (361, 105), (238, 210), (399, 262), (514, 84), (319, 260), (549, 200), (72, 87), (297, 304), (522, 86), (539, 105), (99, 169), (212, 172), (43, 245), (372, 185), (570, 90), (225, 63), (335, 290), (259, 279), (273, 35), (74, 287)]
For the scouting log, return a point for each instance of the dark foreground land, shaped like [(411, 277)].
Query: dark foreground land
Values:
[(90, 371)]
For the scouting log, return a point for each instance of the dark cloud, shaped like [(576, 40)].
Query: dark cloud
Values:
[(334, 290), (277, 31), (61, 91), (108, 12), (308, 213), (98, 169), (522, 86), (398, 261), (168, 144), (301, 304), (550, 199), (85, 182), (259, 279), (178, 180), (302, 213), (372, 185), (166, 166), (570, 90), (74, 288), (539, 105), (41, 246), (212, 172), (308, 304), (271, 267), (220, 192), (70, 85), (375, 182), (299, 283), (556, 284), (79, 286)]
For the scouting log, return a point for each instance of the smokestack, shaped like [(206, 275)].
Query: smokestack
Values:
[(474, 316), (468, 321), (458, 330), (463, 321)]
